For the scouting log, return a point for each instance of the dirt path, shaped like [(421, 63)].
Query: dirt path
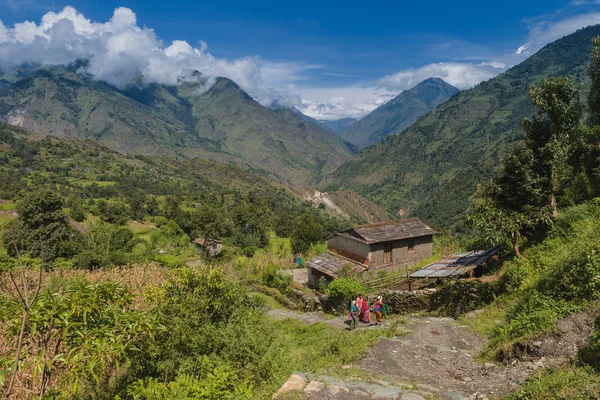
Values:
[(313, 317), (437, 358)]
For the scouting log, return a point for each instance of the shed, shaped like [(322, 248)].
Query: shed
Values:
[(327, 266), (210, 247)]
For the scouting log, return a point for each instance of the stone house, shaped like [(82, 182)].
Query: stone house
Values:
[(373, 247), (208, 247)]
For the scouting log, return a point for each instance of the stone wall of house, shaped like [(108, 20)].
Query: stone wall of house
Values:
[(405, 302), (314, 276), (349, 248), (401, 255)]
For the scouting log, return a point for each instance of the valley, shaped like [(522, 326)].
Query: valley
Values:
[(180, 225)]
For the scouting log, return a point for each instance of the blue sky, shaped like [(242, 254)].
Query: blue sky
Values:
[(330, 59)]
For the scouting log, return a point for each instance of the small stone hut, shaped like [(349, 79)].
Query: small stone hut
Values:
[(209, 247), (366, 248)]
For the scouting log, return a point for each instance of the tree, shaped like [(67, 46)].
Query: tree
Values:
[(41, 219), (593, 99), (552, 131), (511, 203), (307, 231)]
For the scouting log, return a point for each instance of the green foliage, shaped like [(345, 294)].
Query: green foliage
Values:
[(94, 323), (594, 93), (105, 245), (432, 168), (307, 231), (41, 220), (399, 113), (562, 383), (559, 276), (345, 288), (274, 278)]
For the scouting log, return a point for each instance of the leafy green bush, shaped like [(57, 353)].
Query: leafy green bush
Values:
[(560, 276), (274, 278), (563, 383), (345, 288)]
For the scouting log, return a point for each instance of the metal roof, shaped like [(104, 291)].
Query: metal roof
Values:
[(389, 231), (457, 264), (330, 263)]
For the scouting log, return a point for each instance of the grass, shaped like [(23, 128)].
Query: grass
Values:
[(568, 382), (268, 300), (280, 246), (141, 228), (7, 206), (87, 182), (6, 218)]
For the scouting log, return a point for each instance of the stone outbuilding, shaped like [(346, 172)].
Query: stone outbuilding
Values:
[(208, 247), (374, 247)]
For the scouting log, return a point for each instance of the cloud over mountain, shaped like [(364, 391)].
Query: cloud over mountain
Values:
[(119, 51)]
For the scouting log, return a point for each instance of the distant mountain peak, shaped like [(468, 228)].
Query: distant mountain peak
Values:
[(399, 113)]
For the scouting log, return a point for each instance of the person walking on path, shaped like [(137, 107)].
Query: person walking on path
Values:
[(378, 310), (359, 305), (366, 312), (353, 315)]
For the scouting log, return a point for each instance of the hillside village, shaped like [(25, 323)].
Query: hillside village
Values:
[(189, 240)]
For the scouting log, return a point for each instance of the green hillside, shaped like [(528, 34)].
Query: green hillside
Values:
[(399, 113), (338, 125), (432, 168), (223, 124)]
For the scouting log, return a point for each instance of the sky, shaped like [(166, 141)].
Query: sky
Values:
[(330, 59)]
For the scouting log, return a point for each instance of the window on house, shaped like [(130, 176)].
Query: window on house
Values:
[(411, 244), (387, 253)]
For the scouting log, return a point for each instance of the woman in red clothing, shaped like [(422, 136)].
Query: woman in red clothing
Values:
[(366, 313)]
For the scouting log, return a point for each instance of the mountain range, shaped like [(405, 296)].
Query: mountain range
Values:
[(431, 169), (219, 122), (398, 113), (338, 125)]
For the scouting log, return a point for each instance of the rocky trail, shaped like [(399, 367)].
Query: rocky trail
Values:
[(436, 360)]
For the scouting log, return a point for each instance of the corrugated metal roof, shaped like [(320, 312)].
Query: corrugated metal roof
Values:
[(330, 263), (457, 264), (389, 231)]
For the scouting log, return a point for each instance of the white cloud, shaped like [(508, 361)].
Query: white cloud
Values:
[(546, 31), (353, 101), (119, 51), (460, 75)]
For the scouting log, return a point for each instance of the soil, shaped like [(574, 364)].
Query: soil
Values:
[(436, 359), (440, 353)]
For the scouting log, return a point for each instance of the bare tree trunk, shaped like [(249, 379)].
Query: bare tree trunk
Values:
[(18, 355), (516, 238), (552, 199)]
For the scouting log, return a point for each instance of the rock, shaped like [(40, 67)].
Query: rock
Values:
[(453, 396), (294, 382), (489, 365), (537, 344), (477, 396), (314, 387), (411, 396), (337, 390)]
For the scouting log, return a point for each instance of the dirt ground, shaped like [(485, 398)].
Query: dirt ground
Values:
[(440, 353), (436, 359)]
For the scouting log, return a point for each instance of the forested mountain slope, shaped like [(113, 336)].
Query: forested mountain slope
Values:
[(399, 113), (432, 168), (222, 123)]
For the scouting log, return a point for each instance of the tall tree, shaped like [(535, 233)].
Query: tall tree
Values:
[(593, 99), (41, 219), (551, 132)]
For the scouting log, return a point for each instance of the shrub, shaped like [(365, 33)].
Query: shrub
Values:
[(344, 288), (274, 278)]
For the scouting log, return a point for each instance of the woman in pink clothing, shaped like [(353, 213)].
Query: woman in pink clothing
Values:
[(359, 305), (366, 312)]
